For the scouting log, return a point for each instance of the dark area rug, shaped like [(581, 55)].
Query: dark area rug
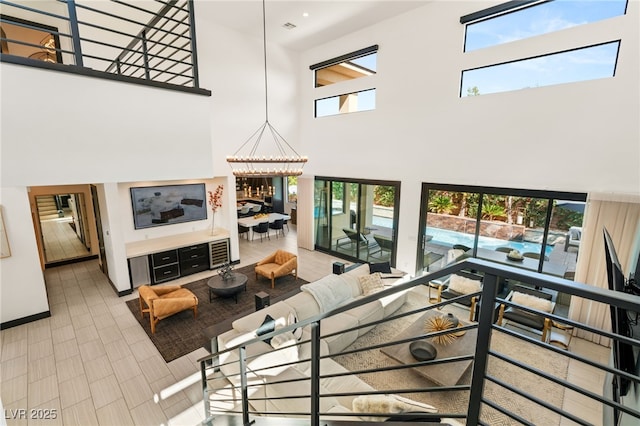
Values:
[(181, 334)]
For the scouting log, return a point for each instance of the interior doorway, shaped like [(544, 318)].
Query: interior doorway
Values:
[(64, 228)]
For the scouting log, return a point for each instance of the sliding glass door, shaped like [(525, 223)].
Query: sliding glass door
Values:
[(357, 219), (524, 228)]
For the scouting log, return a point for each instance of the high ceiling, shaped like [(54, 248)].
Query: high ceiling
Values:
[(326, 20)]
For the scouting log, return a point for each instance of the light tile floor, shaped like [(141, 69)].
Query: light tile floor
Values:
[(91, 363), (61, 241)]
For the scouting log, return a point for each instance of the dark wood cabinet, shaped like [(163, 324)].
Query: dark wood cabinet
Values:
[(159, 260), (164, 266), (193, 259)]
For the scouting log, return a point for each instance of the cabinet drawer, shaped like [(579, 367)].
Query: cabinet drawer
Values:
[(193, 252), (192, 266), (165, 273), (164, 258)]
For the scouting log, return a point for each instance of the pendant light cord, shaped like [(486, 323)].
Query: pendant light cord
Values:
[(264, 47)]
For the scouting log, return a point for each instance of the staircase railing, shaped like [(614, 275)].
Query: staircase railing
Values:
[(152, 43), (235, 395)]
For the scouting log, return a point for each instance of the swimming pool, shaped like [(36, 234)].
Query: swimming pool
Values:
[(449, 238)]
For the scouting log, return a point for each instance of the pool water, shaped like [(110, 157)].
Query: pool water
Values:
[(449, 238)]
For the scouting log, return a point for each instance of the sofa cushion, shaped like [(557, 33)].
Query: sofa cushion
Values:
[(366, 314), (342, 384), (304, 304), (383, 267), (532, 302), (294, 385), (335, 324), (330, 292), (371, 284), (463, 285), (283, 339), (278, 311)]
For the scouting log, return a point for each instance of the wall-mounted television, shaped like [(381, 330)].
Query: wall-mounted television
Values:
[(168, 204), (623, 357)]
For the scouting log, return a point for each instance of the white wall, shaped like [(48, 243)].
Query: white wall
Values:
[(574, 137), (89, 130), (22, 290), (578, 137)]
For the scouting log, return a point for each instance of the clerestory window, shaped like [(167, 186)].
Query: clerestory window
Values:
[(519, 20), (587, 63)]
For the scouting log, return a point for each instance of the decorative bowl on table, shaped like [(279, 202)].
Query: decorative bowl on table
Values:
[(423, 350), (515, 255)]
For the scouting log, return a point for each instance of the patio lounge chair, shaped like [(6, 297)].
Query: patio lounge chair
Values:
[(384, 248), (352, 239), (573, 238)]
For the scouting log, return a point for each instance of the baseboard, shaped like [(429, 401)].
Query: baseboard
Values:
[(25, 320), (70, 261)]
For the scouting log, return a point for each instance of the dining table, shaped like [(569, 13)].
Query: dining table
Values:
[(549, 268), (251, 221)]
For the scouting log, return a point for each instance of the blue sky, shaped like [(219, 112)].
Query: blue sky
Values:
[(577, 65)]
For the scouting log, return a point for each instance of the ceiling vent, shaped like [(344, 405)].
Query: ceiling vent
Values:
[(289, 26)]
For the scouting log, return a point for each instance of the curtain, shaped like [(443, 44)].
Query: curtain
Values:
[(621, 216), (305, 222)]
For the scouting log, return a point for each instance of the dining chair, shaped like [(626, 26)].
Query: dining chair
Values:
[(261, 228), (278, 226), (243, 230)]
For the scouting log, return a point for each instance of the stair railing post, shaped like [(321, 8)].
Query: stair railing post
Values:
[(315, 374), (194, 49), (483, 343), (75, 32), (145, 55), (242, 351), (205, 390)]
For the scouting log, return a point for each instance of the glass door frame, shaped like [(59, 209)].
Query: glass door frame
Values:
[(550, 196), (329, 246)]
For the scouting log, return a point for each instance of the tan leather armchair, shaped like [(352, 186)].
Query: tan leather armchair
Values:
[(162, 302), (277, 265)]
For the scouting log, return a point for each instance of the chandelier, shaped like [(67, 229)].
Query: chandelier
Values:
[(251, 161)]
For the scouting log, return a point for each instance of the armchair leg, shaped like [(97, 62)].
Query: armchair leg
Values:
[(472, 309), (546, 329), (153, 322), (273, 281), (500, 314)]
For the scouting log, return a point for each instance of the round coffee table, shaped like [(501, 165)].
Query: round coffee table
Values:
[(227, 288)]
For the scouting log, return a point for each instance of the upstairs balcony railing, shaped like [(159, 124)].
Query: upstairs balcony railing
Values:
[(232, 400), (151, 43)]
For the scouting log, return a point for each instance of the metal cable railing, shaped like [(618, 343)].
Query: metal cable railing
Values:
[(148, 42), (247, 391)]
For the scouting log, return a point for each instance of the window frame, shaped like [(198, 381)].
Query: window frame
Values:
[(615, 65)]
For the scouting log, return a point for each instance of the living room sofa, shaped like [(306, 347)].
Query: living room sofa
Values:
[(263, 360)]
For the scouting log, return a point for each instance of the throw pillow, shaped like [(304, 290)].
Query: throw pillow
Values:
[(388, 404), (292, 319), (283, 339), (267, 326), (370, 284), (463, 285), (533, 302), (383, 267)]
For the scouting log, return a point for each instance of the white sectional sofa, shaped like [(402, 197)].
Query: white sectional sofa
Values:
[(321, 296)]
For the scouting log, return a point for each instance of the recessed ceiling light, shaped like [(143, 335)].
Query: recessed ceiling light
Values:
[(305, 14)]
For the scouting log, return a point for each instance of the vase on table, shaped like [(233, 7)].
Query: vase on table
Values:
[(213, 224)]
